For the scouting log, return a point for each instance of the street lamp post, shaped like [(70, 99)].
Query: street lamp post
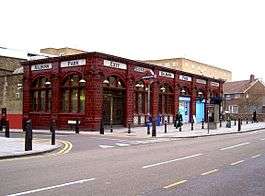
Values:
[(148, 108), (149, 79)]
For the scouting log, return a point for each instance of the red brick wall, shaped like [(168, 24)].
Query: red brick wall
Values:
[(94, 73)]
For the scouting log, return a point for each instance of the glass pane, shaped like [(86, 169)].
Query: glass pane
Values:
[(42, 82), (34, 101), (65, 103), (82, 100), (140, 103), (75, 80), (42, 100), (112, 81), (74, 100), (49, 100)]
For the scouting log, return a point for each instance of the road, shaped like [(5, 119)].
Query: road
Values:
[(216, 165)]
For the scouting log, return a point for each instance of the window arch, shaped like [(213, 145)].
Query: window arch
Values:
[(113, 82), (73, 94), (41, 95), (166, 99), (140, 98)]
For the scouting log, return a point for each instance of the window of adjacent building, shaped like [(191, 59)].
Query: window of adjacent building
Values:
[(233, 109), (41, 95), (73, 95), (263, 109), (236, 96)]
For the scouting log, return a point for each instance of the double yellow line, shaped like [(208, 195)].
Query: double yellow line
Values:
[(66, 149)]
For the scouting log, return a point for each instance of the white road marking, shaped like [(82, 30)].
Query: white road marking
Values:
[(262, 139), (254, 132), (235, 146), (122, 144), (173, 160), (175, 184), (209, 172), (236, 163), (256, 156), (105, 146), (112, 139), (52, 187)]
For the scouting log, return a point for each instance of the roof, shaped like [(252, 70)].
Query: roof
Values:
[(238, 86), (21, 54), (113, 58), (186, 59)]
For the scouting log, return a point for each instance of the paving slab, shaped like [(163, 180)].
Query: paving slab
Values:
[(15, 147)]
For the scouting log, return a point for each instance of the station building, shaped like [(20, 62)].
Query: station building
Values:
[(93, 86)]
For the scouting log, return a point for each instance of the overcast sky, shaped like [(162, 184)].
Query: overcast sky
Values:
[(228, 33)]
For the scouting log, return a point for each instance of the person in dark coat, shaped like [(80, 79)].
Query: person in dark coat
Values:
[(254, 116), (179, 120)]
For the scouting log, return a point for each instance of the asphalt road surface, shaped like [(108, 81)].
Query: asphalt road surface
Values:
[(217, 165)]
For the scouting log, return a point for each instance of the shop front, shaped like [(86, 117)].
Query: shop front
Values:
[(184, 108), (200, 110)]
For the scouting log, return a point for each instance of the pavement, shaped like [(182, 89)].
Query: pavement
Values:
[(15, 147), (12, 147)]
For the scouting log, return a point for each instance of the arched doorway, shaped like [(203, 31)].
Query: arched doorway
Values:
[(200, 106), (185, 104), (166, 103), (113, 101)]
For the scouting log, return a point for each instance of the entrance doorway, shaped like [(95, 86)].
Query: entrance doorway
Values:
[(113, 101), (200, 105), (184, 108)]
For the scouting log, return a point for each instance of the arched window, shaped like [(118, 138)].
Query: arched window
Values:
[(41, 95), (73, 94), (113, 82), (140, 98), (166, 98)]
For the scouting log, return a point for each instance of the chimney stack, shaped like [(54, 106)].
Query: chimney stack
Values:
[(252, 77)]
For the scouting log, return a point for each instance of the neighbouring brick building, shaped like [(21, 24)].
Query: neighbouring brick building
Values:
[(244, 97), (194, 67), (11, 77), (11, 82), (93, 86)]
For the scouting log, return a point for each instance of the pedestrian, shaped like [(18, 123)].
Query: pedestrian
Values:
[(179, 119), (254, 116)]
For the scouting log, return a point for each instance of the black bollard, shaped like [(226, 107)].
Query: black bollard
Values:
[(149, 120), (28, 135), (129, 128), (192, 122), (246, 120), (239, 124), (235, 122), (77, 127), (202, 124), (101, 129), (52, 130), (220, 123), (1, 126), (7, 129), (165, 126), (153, 127), (111, 128)]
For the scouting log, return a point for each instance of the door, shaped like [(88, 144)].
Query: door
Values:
[(184, 108), (113, 107), (199, 111)]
